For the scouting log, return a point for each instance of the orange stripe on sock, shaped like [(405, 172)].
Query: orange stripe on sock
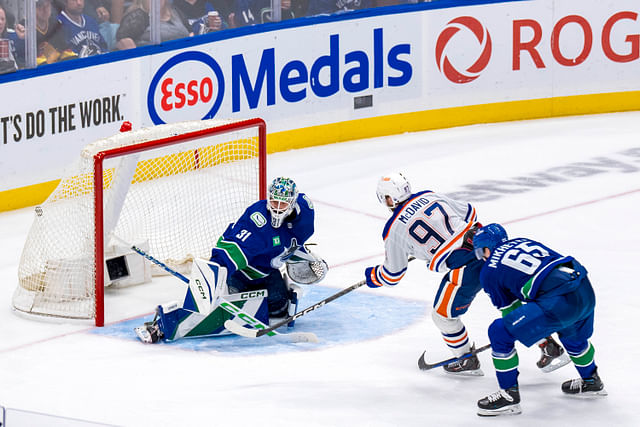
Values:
[(455, 341)]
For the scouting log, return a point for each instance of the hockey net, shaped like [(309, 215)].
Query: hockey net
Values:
[(170, 189)]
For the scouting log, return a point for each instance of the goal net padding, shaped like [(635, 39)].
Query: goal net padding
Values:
[(170, 189)]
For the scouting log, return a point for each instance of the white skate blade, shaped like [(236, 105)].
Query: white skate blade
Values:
[(474, 373), (508, 410), (589, 394), (557, 363), (143, 334)]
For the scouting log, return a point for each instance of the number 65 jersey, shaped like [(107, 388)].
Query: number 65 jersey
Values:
[(516, 269), (428, 226)]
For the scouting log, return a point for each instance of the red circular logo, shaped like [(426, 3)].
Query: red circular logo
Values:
[(483, 37)]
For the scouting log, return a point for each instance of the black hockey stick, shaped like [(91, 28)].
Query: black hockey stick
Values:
[(225, 305), (254, 333), (424, 366)]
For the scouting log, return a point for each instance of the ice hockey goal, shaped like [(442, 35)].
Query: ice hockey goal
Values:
[(171, 189)]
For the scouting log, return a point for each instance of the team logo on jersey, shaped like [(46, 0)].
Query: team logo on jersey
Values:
[(446, 65), (175, 95)]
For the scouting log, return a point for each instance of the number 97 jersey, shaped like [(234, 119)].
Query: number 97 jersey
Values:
[(428, 226)]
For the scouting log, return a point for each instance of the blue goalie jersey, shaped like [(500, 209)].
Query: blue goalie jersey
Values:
[(515, 270), (253, 247)]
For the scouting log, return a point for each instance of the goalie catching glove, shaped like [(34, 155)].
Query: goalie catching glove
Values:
[(308, 270)]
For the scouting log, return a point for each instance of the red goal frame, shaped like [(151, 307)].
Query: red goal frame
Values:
[(99, 158)]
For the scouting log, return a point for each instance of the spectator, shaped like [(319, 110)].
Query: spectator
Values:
[(325, 7), (50, 37), (100, 10), (135, 30), (251, 12), (202, 15), (81, 32), (7, 45), (8, 14)]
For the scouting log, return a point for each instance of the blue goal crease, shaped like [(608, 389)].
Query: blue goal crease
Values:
[(352, 318)]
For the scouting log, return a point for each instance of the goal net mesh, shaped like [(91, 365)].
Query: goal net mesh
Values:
[(175, 199)]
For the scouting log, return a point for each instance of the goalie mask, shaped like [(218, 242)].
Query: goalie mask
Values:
[(396, 187), (281, 200)]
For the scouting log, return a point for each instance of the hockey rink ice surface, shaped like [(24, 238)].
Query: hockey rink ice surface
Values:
[(571, 183)]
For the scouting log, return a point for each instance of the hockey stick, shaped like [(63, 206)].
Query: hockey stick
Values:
[(225, 305), (424, 366), (254, 333)]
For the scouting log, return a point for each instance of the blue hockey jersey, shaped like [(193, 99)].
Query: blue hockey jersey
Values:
[(252, 246), (515, 270), (85, 38)]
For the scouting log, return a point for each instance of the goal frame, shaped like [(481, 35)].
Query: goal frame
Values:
[(101, 156)]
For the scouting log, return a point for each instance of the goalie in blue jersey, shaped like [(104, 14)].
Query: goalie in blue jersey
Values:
[(539, 292), (245, 270)]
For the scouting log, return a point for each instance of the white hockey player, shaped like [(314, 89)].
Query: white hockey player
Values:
[(244, 271), (436, 229)]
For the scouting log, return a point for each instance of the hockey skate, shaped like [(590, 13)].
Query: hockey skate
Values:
[(150, 332), (553, 356), (585, 387), (466, 367), (502, 402)]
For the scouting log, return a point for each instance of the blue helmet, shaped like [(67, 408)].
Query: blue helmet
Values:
[(490, 236)]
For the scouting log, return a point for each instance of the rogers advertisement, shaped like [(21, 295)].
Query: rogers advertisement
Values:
[(401, 66)]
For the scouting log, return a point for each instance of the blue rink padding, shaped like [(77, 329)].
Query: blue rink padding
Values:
[(351, 318)]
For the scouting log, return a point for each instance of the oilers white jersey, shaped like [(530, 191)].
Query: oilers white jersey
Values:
[(428, 226)]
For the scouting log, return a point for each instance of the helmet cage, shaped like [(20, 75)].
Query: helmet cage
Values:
[(281, 200)]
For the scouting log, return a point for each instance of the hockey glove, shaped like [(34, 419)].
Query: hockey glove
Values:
[(467, 240), (370, 276)]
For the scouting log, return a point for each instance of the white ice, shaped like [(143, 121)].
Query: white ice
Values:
[(591, 213)]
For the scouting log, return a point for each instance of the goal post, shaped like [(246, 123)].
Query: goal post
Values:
[(170, 189)]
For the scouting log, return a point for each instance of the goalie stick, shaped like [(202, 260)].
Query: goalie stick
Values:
[(424, 366), (254, 333), (225, 305)]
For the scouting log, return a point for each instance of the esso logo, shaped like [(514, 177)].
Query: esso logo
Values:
[(189, 86), (462, 72)]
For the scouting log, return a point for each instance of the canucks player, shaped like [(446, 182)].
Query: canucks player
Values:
[(434, 228), (246, 262), (539, 291)]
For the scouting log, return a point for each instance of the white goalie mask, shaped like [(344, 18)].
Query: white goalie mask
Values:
[(281, 200), (396, 187)]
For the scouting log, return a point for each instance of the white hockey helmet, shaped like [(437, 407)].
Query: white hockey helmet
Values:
[(281, 199), (396, 187)]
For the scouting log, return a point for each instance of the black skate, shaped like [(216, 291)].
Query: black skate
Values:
[(149, 333), (466, 367), (585, 387), (502, 402), (553, 355)]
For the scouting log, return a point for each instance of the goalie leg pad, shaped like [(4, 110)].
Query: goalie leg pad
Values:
[(295, 293), (208, 279)]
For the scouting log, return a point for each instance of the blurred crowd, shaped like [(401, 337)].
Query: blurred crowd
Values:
[(67, 29)]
